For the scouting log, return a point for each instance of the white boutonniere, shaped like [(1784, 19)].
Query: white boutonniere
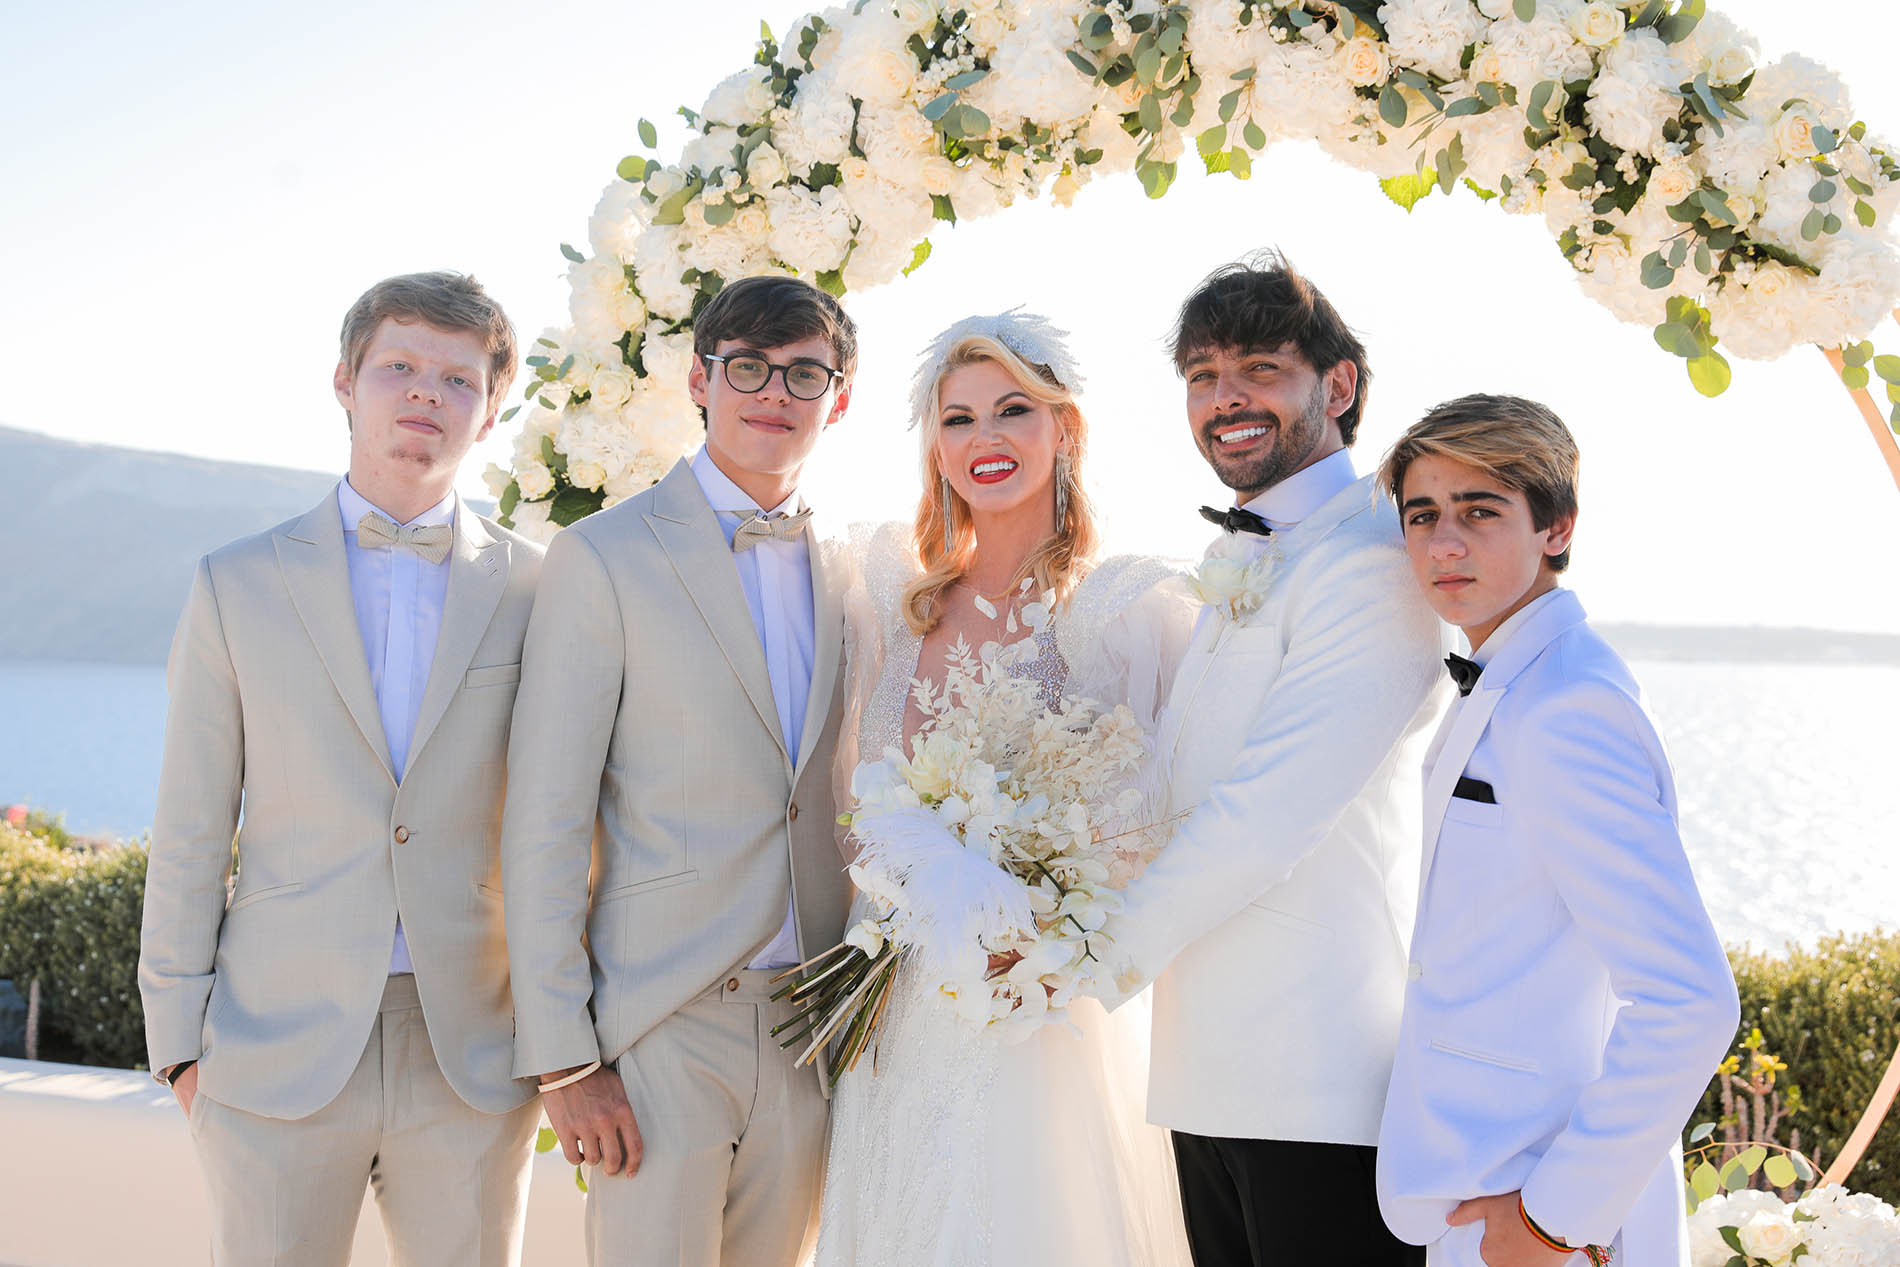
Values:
[(1233, 578)]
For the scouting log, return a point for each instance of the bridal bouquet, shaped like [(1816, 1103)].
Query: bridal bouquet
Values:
[(992, 855)]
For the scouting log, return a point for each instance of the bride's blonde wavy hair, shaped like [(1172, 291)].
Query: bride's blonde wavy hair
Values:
[(1058, 563)]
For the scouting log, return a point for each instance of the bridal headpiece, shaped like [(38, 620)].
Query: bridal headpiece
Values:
[(1027, 334)]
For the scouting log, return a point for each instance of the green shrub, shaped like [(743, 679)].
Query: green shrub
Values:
[(1833, 1015), (70, 917)]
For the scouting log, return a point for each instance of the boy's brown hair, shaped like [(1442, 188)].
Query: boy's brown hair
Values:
[(772, 310), (1517, 442), (446, 301)]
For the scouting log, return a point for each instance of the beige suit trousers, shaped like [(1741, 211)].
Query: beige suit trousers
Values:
[(734, 1136), (451, 1181)]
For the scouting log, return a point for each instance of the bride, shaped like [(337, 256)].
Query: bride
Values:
[(948, 1147)]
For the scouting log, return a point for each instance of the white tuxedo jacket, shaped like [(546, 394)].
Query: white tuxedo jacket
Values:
[(271, 707), (657, 820), (1275, 921), (1569, 999)]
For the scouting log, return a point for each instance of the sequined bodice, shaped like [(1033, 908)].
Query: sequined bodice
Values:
[(883, 721)]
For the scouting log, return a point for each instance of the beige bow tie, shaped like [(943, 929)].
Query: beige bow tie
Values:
[(379, 532), (778, 526)]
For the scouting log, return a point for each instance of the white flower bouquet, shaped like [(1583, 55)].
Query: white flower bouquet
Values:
[(1827, 1227), (992, 856)]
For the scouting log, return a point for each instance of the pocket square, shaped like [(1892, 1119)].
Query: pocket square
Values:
[(1470, 789)]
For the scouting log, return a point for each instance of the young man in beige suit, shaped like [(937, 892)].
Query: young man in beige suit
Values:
[(668, 843), (341, 688)]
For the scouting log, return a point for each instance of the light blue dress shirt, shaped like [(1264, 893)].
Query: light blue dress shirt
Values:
[(398, 598), (776, 578)]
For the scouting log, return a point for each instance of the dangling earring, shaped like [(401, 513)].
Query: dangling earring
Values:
[(1063, 475), (943, 483)]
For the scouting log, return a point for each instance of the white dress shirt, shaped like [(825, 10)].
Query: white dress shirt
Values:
[(776, 577), (398, 600)]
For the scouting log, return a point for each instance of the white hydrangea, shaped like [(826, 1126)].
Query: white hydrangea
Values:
[(710, 151), (1432, 35), (1531, 52), (727, 250), (878, 259), (810, 232), (816, 128), (886, 208), (1494, 147), (1858, 286), (1795, 77), (1633, 96), (530, 519), (667, 357), (1031, 78), (1297, 92), (1760, 313), (657, 267), (740, 99), (1739, 159), (618, 219), (600, 303), (897, 140)]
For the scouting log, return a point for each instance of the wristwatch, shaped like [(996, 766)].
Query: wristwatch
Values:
[(177, 1071)]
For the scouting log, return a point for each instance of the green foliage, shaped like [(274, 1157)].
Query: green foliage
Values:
[(1833, 1015), (69, 915)]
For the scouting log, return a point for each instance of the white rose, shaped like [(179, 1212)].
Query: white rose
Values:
[(1494, 9), (1363, 62), (988, 29), (496, 479), (740, 99), (589, 475), (612, 388), (873, 63), (535, 480), (765, 167), (939, 175), (1793, 131), (1731, 64), (1598, 23), (752, 223), (917, 15), (1673, 181), (1487, 65), (1769, 1235)]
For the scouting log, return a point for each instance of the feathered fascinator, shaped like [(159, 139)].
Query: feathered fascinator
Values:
[(1027, 334)]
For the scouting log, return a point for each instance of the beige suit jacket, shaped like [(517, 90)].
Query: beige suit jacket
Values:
[(272, 710), (657, 821)]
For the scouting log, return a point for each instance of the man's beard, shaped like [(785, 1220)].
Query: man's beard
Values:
[(1291, 445)]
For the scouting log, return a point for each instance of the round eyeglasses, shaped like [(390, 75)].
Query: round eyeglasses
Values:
[(805, 380)]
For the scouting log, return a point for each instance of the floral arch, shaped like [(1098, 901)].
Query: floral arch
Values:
[(1728, 204)]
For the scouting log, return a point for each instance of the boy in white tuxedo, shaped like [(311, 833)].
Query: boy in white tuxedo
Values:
[(342, 1017), (669, 851), (1274, 922), (1568, 998)]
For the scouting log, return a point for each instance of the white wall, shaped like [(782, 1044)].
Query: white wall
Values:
[(97, 1170)]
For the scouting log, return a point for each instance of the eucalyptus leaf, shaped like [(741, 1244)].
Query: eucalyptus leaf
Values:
[(1392, 106), (1710, 373), (1823, 191), (1212, 141), (1702, 1132), (1704, 1182), (968, 79), (1779, 1171), (1752, 1157), (572, 254), (1657, 274), (1826, 140), (1082, 64), (1812, 225), (1240, 163), (1888, 367), (1678, 340), (1253, 136), (632, 167), (1150, 113), (649, 135), (1524, 9), (720, 213), (1858, 353), (1540, 101), (937, 107), (1864, 212)]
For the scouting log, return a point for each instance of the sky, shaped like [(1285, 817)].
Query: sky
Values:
[(196, 192)]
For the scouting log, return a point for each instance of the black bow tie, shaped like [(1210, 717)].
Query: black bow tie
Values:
[(1237, 519), (1464, 672)]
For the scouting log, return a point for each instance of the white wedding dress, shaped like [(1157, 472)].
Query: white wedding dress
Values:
[(948, 1147)]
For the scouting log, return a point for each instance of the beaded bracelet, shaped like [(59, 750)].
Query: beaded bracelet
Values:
[(571, 1078), (1598, 1255)]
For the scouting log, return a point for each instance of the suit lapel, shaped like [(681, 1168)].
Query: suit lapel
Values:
[(687, 530), (1560, 612), (827, 646), (1464, 728), (478, 573), (317, 575)]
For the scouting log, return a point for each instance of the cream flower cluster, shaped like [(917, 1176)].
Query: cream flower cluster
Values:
[(1233, 577), (1036, 800), (1829, 1226), (1667, 163)]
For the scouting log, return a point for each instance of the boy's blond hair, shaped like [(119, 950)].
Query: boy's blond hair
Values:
[(1517, 442)]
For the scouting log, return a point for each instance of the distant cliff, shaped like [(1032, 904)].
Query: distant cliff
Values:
[(97, 544)]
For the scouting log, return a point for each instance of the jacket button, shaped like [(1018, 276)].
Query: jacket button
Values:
[(732, 984), (1414, 970), (402, 835), (791, 813)]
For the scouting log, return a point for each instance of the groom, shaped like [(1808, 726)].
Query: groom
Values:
[(341, 1017), (668, 843), (1274, 923)]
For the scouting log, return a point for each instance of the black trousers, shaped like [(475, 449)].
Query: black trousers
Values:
[(1284, 1203)]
